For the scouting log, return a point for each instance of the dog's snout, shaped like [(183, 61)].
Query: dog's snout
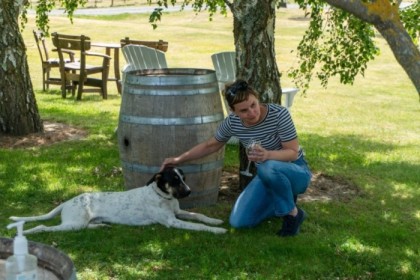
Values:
[(187, 190), (183, 191)]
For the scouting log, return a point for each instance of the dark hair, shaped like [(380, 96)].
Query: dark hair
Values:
[(238, 91)]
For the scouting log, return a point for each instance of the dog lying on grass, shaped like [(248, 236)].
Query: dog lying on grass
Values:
[(155, 203)]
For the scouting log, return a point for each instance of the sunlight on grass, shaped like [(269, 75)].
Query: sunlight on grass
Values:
[(405, 267), (390, 217), (404, 191), (154, 249), (352, 245)]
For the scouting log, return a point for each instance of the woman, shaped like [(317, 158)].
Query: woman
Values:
[(282, 172)]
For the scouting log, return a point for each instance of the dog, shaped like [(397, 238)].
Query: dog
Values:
[(155, 203)]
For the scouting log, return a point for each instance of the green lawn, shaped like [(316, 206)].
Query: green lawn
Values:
[(367, 133)]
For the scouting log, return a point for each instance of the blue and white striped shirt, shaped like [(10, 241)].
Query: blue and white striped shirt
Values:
[(276, 127)]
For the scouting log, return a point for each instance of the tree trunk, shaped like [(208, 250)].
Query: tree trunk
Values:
[(385, 18), (253, 28), (403, 47), (18, 110)]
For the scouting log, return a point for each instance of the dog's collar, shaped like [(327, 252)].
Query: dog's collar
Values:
[(160, 193)]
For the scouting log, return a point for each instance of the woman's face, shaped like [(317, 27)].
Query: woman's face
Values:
[(248, 110)]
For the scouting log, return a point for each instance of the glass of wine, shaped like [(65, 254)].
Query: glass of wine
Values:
[(252, 144)]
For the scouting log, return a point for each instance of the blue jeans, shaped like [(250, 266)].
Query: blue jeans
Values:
[(271, 191)]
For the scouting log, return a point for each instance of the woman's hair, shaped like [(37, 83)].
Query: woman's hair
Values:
[(238, 91)]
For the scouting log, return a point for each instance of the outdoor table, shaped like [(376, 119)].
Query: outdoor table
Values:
[(116, 47)]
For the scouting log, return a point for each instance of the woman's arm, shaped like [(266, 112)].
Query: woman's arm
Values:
[(201, 150)]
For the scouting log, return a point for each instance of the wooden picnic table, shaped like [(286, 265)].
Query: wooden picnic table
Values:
[(116, 56)]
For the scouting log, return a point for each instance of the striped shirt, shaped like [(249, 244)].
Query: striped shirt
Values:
[(277, 127)]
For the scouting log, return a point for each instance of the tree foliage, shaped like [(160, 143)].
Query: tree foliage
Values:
[(211, 6), (335, 44), (410, 16), (44, 7)]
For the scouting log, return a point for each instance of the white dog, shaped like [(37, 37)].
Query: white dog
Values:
[(157, 202)]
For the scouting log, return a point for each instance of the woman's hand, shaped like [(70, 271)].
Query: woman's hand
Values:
[(169, 162), (258, 154)]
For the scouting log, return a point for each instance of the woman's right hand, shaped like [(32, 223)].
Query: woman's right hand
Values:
[(169, 162)]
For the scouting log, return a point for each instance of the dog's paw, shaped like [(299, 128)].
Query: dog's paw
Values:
[(217, 230), (212, 221), (13, 218)]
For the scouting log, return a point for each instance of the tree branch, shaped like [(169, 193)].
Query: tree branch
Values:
[(229, 4), (372, 12)]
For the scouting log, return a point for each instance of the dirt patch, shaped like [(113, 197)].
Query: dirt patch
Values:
[(322, 188), (53, 133)]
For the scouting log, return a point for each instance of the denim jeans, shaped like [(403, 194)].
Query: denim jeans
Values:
[(271, 191)]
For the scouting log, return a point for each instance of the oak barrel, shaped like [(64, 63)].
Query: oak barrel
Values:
[(163, 113), (52, 263)]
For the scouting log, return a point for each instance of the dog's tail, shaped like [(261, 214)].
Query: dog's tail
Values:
[(47, 216)]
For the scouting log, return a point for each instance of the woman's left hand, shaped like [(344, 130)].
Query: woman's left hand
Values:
[(258, 154)]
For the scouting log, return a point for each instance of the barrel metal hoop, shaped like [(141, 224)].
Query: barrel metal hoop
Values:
[(171, 121), (191, 168), (170, 80), (172, 76), (169, 91)]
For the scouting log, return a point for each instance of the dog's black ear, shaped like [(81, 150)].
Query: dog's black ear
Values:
[(155, 178), (168, 168)]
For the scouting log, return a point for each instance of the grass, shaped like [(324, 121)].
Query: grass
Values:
[(367, 133)]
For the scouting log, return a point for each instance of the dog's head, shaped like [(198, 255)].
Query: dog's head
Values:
[(171, 181)]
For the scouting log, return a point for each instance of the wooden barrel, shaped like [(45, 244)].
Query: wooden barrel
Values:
[(165, 112), (52, 263)]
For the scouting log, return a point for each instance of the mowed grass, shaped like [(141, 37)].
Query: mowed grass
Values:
[(367, 133)]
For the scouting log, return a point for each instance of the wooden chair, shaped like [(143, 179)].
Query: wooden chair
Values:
[(225, 65), (47, 62), (79, 73)]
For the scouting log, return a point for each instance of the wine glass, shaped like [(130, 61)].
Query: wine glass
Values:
[(252, 144)]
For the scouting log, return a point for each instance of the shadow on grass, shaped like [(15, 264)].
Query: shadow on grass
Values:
[(352, 245)]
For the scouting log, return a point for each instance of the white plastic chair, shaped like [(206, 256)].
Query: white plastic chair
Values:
[(140, 57), (225, 66)]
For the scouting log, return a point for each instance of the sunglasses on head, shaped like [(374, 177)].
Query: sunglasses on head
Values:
[(239, 86)]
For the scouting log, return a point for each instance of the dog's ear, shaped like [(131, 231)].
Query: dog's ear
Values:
[(155, 178), (169, 168)]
